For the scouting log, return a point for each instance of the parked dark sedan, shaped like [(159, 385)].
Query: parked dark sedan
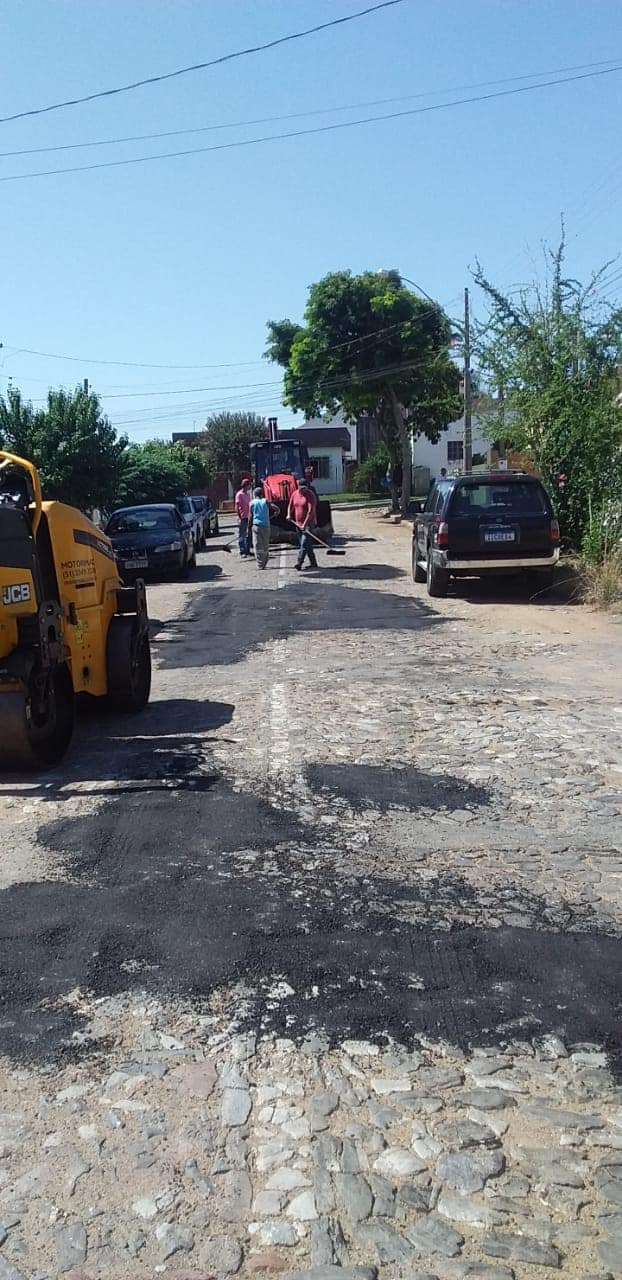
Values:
[(471, 525), (151, 540)]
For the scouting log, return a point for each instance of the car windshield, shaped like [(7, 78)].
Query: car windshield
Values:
[(140, 521), (492, 498), (185, 505)]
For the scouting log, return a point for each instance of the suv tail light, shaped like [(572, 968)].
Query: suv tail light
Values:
[(554, 530), (442, 534)]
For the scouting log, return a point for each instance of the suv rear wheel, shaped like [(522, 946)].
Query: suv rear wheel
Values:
[(437, 579)]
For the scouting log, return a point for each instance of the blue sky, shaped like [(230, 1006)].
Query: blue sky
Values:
[(181, 262)]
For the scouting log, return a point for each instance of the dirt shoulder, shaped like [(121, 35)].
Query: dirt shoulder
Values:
[(504, 609)]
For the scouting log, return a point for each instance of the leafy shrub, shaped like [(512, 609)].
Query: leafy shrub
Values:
[(367, 477)]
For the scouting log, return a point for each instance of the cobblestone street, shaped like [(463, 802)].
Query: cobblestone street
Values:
[(314, 968)]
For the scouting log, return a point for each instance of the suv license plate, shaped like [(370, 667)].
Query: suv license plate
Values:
[(499, 535), (141, 562)]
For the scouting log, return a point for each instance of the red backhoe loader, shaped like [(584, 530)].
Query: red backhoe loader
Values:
[(278, 466)]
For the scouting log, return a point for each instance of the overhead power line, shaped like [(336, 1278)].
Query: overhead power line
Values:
[(301, 115), (262, 390), (15, 350), (127, 364), (201, 66), (317, 129)]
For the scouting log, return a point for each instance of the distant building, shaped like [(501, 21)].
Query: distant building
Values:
[(329, 448), (193, 439), (448, 451)]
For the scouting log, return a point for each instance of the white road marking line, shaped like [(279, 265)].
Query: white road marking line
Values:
[(281, 582), (283, 770), (280, 762)]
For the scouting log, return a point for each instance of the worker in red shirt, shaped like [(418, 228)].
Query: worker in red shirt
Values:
[(302, 511), (309, 479)]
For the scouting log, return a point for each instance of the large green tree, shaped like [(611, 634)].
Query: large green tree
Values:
[(370, 345), (157, 471), (555, 351), (71, 441), (228, 442), (18, 424)]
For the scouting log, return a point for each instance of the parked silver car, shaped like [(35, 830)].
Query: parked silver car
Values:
[(191, 518), (207, 513)]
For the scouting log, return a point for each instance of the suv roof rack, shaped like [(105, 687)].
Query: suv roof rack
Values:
[(475, 475)]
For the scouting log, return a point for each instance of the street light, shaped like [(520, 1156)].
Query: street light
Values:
[(419, 289), (384, 272), (464, 333)]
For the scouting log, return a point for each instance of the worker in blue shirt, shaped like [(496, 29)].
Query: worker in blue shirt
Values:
[(260, 512)]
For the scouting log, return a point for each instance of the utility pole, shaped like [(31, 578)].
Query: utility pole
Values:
[(86, 386), (502, 423), (467, 447)]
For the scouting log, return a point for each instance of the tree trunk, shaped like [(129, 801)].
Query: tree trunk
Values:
[(404, 435), (389, 443), (407, 467)]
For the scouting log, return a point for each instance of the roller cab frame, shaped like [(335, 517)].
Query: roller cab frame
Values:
[(68, 625)]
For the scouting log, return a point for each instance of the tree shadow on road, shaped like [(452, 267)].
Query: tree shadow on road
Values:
[(342, 539), (163, 748), (218, 543), (205, 573), (157, 898), (518, 589)]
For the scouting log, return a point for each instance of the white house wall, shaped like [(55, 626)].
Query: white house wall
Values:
[(335, 456), (434, 456)]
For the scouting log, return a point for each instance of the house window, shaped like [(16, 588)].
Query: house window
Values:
[(454, 450), (321, 468)]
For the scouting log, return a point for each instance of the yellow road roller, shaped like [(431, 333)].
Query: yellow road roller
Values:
[(68, 625)]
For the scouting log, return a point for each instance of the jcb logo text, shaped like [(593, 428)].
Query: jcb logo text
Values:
[(17, 594)]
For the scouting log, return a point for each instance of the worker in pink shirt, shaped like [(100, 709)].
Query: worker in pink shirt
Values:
[(243, 509)]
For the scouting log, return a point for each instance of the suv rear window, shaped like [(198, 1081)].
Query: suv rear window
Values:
[(516, 497)]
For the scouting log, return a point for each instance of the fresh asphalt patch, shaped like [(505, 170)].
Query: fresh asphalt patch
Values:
[(226, 625), (201, 894), (364, 572), (378, 787)]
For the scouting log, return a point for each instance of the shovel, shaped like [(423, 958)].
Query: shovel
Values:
[(330, 551)]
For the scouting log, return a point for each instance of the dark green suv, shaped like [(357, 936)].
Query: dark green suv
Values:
[(484, 523)]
